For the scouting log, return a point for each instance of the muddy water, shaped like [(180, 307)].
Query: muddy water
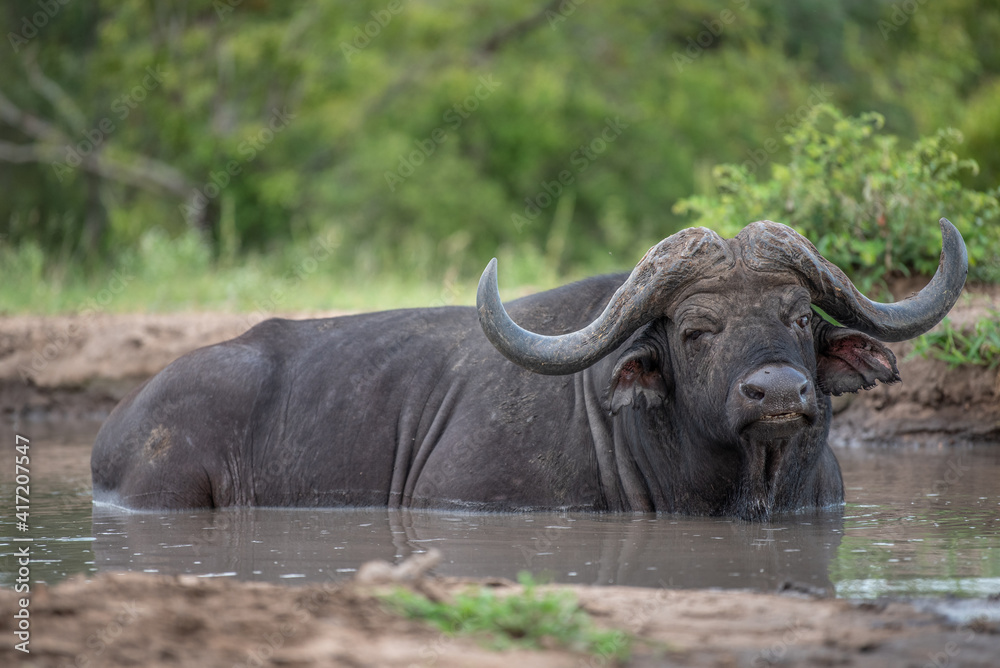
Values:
[(917, 522)]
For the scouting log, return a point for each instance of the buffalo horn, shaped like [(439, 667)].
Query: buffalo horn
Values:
[(771, 246), (672, 264)]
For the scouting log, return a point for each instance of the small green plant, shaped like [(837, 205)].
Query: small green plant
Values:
[(980, 347), (528, 619)]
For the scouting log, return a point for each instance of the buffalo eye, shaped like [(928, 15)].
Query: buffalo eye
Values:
[(692, 335), (803, 321)]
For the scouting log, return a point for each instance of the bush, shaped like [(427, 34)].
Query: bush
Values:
[(867, 204)]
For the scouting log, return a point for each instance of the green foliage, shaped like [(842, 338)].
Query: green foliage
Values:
[(868, 204), (980, 347), (527, 619), (358, 110)]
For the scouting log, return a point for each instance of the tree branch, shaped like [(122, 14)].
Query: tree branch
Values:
[(146, 173), (20, 152), (140, 171), (30, 125), (53, 92), (135, 170), (517, 30)]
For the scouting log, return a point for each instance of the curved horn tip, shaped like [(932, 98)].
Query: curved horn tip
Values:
[(488, 287), (947, 227), (951, 240), (920, 312)]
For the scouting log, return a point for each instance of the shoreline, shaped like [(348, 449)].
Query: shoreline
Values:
[(157, 620), (123, 619)]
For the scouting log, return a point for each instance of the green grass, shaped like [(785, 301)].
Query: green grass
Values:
[(169, 275), (979, 347), (244, 289), (528, 619)]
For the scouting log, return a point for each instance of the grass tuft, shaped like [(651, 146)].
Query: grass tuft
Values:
[(980, 347), (528, 619)]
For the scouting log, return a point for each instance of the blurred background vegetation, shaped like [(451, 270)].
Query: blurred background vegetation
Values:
[(261, 155)]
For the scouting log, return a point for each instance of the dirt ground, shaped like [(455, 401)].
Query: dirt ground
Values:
[(67, 369), (71, 368), (128, 619)]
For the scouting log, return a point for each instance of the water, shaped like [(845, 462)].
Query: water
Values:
[(917, 523)]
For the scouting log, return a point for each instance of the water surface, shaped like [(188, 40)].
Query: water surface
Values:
[(917, 522)]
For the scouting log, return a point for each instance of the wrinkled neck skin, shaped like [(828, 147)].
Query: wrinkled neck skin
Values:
[(683, 451)]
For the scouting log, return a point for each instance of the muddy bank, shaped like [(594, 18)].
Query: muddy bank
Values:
[(934, 404), (143, 620), (64, 369), (67, 369)]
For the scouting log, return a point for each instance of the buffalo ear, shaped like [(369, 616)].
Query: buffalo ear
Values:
[(637, 374), (848, 361)]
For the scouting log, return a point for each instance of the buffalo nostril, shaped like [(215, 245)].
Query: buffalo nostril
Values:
[(752, 392)]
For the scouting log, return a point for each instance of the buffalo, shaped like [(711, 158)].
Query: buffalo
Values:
[(699, 383)]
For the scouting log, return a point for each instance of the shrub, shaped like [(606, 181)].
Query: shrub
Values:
[(868, 204)]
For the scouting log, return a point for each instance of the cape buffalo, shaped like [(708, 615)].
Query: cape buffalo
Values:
[(700, 383)]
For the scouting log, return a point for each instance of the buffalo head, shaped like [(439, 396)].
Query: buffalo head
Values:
[(725, 368)]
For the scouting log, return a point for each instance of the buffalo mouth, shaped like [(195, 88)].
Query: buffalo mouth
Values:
[(782, 417), (776, 425)]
